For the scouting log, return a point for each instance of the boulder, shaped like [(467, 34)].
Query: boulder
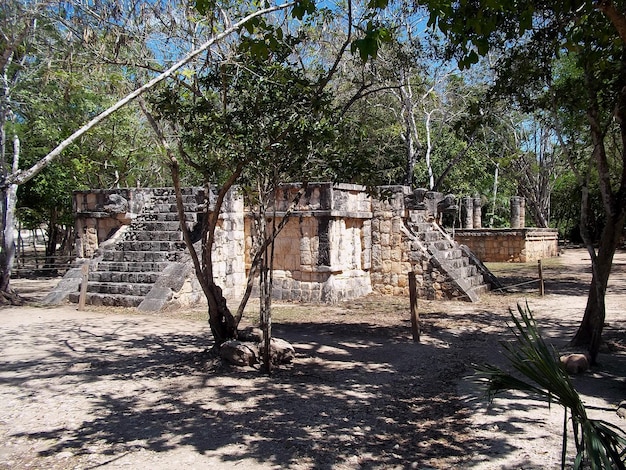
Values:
[(575, 363), (281, 352), (239, 353), (250, 333)]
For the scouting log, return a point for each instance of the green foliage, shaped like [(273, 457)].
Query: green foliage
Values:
[(598, 443), (375, 35), (55, 89), (367, 149), (303, 7), (261, 116), (204, 6)]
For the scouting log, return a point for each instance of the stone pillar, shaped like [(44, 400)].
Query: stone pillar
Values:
[(518, 212), (478, 213), (467, 213)]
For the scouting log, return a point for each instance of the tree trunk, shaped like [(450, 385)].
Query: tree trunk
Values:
[(54, 233), (221, 320), (589, 332), (7, 253)]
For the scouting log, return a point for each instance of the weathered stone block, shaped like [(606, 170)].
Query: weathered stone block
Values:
[(281, 351), (575, 363), (240, 353)]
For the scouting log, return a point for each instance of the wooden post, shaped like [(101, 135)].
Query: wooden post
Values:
[(541, 286), (83, 286), (415, 320)]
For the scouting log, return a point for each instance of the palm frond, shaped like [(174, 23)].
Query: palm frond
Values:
[(602, 445)]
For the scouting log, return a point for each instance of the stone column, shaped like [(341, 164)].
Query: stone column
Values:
[(478, 213), (467, 213), (518, 212)]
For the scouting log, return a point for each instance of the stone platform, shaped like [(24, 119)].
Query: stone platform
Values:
[(339, 243), (517, 245)]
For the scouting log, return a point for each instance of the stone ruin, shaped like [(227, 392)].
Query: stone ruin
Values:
[(518, 243), (339, 243)]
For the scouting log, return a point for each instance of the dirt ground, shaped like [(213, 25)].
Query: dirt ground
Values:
[(113, 389)]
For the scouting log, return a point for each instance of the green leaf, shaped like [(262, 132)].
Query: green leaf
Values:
[(368, 46), (378, 4), (204, 6), (303, 7)]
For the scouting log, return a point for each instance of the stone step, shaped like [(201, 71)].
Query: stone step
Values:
[(151, 245), (170, 219), (422, 227), (157, 235), (458, 263), (450, 254), (169, 191), (155, 226), (469, 270), (155, 214), (131, 266), (123, 288), (432, 236), (173, 216), (145, 277), (141, 256), (108, 300), (170, 208), (443, 245), (481, 289), (469, 274), (477, 280), (196, 198)]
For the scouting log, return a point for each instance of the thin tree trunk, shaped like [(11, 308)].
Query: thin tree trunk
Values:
[(9, 196), (590, 331), (221, 321)]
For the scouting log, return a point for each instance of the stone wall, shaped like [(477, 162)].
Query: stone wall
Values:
[(394, 254), (391, 251), (510, 245), (229, 253), (323, 252), (100, 213)]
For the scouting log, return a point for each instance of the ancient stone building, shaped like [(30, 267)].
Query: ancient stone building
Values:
[(517, 244), (339, 243)]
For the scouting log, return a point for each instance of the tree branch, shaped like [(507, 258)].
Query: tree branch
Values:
[(616, 17), (25, 175)]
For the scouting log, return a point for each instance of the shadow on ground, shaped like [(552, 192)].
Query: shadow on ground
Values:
[(357, 395)]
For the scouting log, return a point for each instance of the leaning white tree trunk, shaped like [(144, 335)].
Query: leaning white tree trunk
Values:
[(10, 204), (20, 177)]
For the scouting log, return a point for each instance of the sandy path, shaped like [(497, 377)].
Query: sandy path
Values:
[(117, 390)]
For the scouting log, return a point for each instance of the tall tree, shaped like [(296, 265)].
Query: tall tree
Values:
[(253, 118), (533, 35)]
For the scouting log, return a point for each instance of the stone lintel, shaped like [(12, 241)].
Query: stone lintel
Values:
[(322, 269), (324, 213), (520, 232)]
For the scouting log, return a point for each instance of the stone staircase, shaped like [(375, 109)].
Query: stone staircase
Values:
[(463, 269), (144, 263)]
